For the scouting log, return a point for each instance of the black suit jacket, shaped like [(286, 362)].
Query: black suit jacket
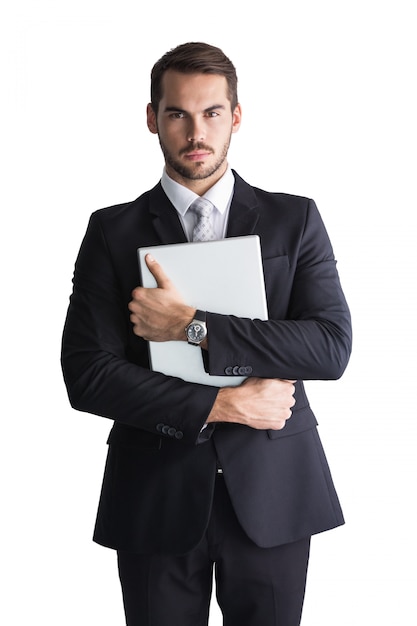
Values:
[(160, 471)]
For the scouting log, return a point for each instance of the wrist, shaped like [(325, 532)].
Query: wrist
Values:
[(182, 321), (222, 407), (196, 330)]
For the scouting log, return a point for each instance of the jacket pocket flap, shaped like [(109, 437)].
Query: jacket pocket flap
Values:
[(301, 420), (133, 438)]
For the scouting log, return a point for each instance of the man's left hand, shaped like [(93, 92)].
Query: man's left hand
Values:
[(159, 313)]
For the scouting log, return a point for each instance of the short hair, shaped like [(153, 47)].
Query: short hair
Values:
[(194, 58)]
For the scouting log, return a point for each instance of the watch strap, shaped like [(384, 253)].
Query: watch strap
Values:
[(200, 316)]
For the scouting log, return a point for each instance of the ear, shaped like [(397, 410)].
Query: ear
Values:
[(151, 119), (236, 118)]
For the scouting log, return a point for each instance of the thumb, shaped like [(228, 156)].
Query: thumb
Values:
[(157, 272)]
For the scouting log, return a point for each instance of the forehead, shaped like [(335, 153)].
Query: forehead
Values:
[(193, 91)]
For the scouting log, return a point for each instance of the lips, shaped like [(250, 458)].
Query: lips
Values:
[(196, 152), (197, 155)]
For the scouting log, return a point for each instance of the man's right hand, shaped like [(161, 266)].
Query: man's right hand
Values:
[(261, 403)]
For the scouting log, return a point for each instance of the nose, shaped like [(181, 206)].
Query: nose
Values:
[(196, 130)]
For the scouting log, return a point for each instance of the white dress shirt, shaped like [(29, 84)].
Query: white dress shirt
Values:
[(220, 195)]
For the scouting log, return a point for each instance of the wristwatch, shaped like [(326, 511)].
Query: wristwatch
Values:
[(196, 330)]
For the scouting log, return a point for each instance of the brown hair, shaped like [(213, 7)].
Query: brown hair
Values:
[(194, 58)]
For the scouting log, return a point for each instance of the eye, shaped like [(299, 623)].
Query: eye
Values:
[(177, 115), (212, 114)]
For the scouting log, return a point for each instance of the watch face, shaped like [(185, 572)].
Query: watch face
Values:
[(196, 332)]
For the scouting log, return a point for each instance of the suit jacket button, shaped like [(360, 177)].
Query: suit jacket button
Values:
[(165, 429), (179, 434), (248, 370), (159, 427), (172, 431), (228, 371), (242, 370)]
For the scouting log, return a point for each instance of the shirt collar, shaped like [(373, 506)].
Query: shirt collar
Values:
[(181, 197)]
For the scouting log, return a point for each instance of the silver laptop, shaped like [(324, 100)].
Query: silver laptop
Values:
[(224, 276)]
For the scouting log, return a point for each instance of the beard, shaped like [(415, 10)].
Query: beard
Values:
[(198, 170)]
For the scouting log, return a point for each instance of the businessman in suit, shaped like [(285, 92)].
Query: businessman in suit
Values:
[(199, 477)]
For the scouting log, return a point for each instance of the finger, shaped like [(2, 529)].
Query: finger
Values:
[(157, 272), (136, 295)]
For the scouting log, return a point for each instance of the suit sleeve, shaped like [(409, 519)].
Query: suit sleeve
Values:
[(99, 368), (308, 335)]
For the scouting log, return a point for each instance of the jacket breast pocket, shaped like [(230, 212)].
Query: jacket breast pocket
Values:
[(276, 263)]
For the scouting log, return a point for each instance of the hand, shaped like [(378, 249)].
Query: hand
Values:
[(261, 403), (159, 313)]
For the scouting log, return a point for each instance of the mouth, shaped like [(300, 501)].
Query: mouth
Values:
[(197, 155)]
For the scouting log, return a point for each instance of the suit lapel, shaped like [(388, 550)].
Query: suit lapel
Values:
[(165, 218), (244, 211)]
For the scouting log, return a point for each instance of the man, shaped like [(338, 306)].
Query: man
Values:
[(196, 475)]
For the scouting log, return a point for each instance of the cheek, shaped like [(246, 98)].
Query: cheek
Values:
[(172, 135)]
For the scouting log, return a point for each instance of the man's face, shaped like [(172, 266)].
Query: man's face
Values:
[(194, 124)]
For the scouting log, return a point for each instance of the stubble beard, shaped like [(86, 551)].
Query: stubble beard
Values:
[(198, 170)]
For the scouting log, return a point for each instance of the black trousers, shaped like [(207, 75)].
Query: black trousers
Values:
[(254, 586)]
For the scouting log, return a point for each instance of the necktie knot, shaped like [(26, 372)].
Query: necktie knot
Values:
[(203, 229), (202, 207)]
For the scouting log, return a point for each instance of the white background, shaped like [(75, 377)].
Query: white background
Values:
[(328, 93)]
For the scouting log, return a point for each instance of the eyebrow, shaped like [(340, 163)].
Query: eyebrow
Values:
[(214, 107)]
